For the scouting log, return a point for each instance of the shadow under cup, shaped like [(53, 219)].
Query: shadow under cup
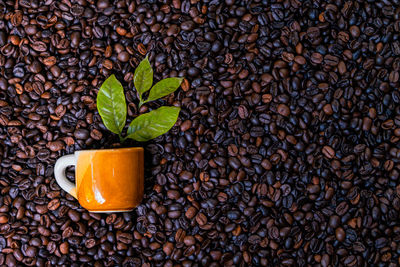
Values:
[(110, 179)]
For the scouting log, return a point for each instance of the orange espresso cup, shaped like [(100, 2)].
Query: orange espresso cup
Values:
[(107, 180)]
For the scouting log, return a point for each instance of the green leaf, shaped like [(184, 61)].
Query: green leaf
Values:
[(143, 78), (111, 104), (163, 88), (155, 123)]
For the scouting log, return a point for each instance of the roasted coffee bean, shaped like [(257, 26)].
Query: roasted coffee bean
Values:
[(54, 204), (125, 238), (102, 4), (74, 215), (342, 208), (81, 134), (39, 46), (328, 152), (285, 151), (283, 110), (243, 112), (340, 234), (201, 219)]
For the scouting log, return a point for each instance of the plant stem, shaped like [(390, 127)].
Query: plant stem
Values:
[(141, 103), (121, 139)]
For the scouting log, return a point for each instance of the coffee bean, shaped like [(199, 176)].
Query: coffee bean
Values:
[(234, 163), (73, 215), (328, 152), (331, 60), (185, 175), (39, 46), (81, 134), (342, 208), (10, 260), (55, 146), (355, 31), (18, 72), (191, 212), (31, 252), (30, 29), (283, 110), (316, 58), (96, 134), (243, 112), (186, 125), (102, 4), (54, 204), (340, 234), (77, 10), (167, 248), (300, 60), (125, 238), (43, 231), (350, 260), (3, 219), (285, 151), (334, 221), (173, 194), (201, 219), (193, 71), (180, 235), (64, 248), (328, 109), (123, 56), (43, 154), (187, 25), (381, 242)]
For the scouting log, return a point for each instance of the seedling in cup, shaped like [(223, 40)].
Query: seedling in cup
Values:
[(102, 184)]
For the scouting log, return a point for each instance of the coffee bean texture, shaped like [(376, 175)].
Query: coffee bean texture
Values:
[(286, 151)]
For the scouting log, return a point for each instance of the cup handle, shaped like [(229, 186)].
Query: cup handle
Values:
[(59, 172)]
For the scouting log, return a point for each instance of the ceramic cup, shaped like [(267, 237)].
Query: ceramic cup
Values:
[(106, 180)]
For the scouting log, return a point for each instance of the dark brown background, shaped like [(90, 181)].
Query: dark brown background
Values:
[(286, 152)]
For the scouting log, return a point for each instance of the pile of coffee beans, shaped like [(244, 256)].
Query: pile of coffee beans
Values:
[(286, 152)]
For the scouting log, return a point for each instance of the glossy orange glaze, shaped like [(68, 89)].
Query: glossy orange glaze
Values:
[(110, 180)]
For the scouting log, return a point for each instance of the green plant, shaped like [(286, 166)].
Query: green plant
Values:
[(111, 105)]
